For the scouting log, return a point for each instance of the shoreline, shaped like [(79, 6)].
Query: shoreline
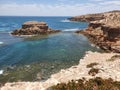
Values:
[(101, 31), (106, 70), (106, 64)]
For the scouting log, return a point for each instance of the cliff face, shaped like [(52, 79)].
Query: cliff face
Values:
[(91, 17), (87, 18), (33, 28), (105, 32)]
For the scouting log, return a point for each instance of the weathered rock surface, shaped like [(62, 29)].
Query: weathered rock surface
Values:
[(87, 18), (33, 28), (105, 32)]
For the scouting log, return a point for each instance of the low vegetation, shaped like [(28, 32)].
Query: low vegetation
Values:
[(92, 84), (91, 65), (113, 58), (93, 71)]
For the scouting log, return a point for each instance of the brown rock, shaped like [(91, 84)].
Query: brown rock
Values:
[(33, 28), (92, 17), (105, 33)]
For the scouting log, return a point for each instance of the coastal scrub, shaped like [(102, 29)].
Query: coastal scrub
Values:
[(92, 84)]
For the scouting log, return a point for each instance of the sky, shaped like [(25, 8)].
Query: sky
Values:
[(56, 7)]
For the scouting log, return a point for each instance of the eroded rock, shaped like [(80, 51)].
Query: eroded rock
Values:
[(105, 33), (34, 28)]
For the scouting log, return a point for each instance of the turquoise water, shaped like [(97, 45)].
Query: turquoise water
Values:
[(61, 47)]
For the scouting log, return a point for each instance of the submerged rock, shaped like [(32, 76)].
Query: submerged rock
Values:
[(34, 28)]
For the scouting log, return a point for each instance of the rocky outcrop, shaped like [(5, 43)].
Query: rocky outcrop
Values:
[(34, 28), (91, 17), (105, 33), (87, 18)]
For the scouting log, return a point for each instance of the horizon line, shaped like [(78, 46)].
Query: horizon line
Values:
[(30, 16)]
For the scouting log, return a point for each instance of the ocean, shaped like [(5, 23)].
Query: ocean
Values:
[(60, 50)]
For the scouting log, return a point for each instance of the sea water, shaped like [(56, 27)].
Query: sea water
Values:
[(64, 47)]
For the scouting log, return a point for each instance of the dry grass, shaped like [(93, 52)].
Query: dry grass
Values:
[(113, 58), (91, 65), (93, 71)]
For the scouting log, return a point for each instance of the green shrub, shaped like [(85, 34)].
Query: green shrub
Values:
[(114, 58), (92, 84), (91, 65), (93, 71)]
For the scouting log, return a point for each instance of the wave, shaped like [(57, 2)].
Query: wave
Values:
[(4, 31), (72, 29), (69, 21), (93, 45), (1, 72), (3, 25), (65, 20)]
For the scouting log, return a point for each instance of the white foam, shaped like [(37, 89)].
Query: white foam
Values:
[(92, 45), (1, 42), (1, 72), (95, 46), (65, 20), (72, 29)]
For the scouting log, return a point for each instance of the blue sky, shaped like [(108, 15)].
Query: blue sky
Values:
[(43, 1), (56, 7)]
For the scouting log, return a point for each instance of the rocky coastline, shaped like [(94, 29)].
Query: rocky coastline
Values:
[(34, 28), (105, 63), (105, 32)]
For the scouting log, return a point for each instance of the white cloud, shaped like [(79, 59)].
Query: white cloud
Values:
[(110, 3), (97, 0), (54, 10)]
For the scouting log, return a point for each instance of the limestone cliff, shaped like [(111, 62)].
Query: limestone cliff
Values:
[(91, 17), (105, 32)]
